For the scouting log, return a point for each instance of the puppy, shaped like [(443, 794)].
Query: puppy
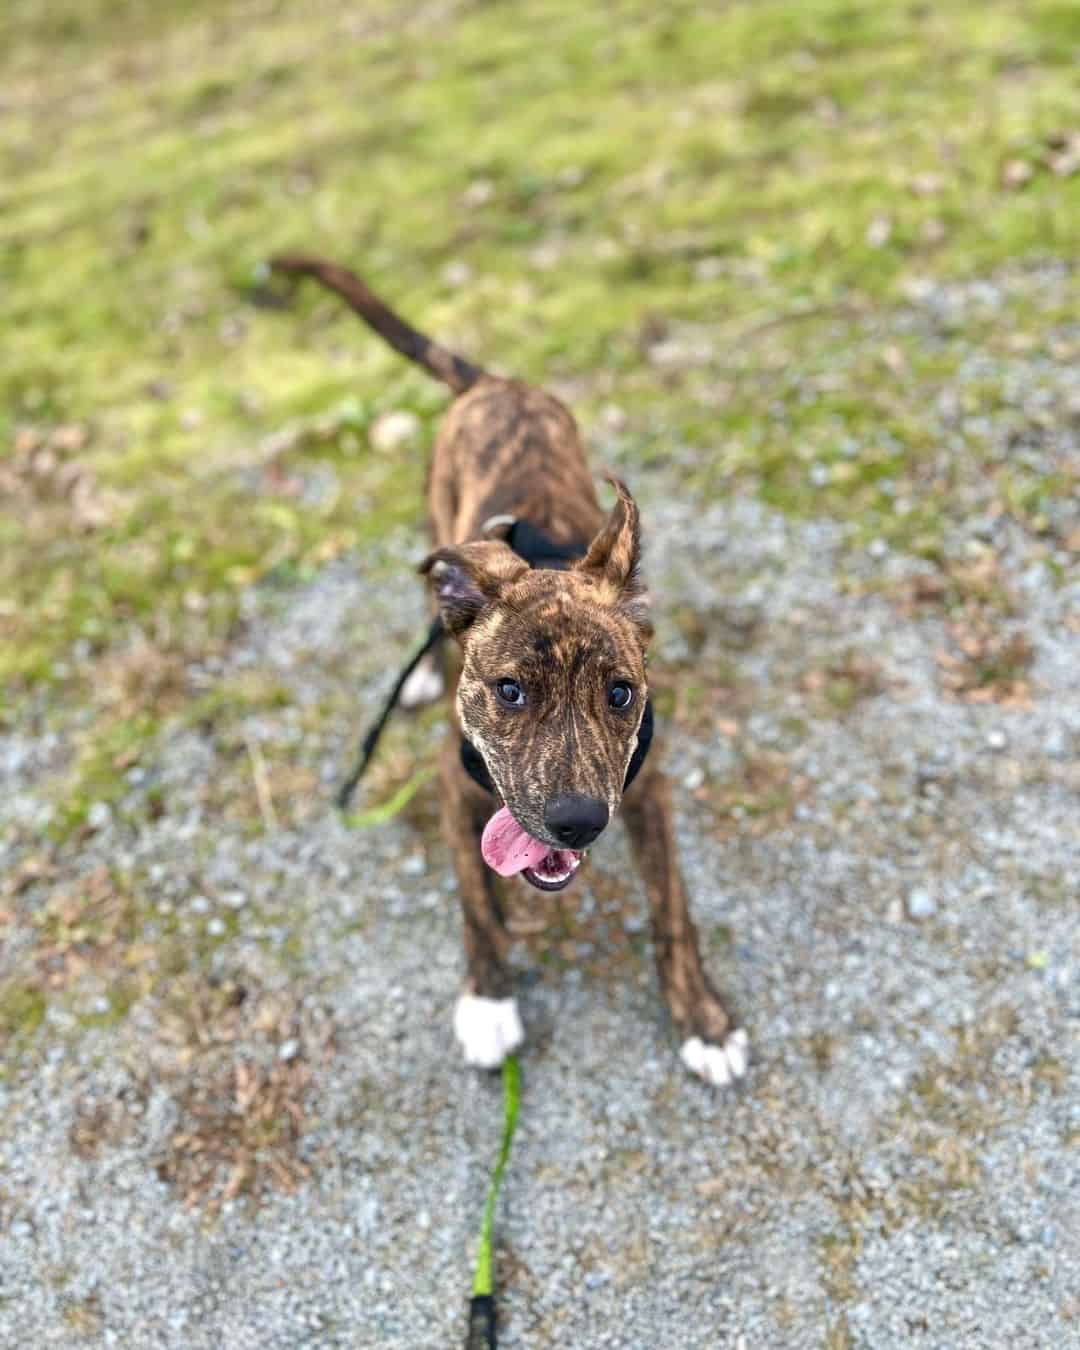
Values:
[(551, 722)]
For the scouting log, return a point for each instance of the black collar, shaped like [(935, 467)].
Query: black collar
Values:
[(534, 547)]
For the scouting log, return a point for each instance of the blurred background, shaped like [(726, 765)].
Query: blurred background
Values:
[(806, 272), (666, 208)]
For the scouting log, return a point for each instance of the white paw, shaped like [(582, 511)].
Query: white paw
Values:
[(717, 1064), (424, 685), (489, 1029)]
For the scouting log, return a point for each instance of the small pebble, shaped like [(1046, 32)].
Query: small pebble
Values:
[(479, 192), (879, 232), (457, 273), (99, 815), (289, 1049), (708, 269), (920, 903), (216, 927), (613, 418), (393, 430), (997, 740), (570, 176)]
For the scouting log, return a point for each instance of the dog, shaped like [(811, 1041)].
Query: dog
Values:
[(550, 695)]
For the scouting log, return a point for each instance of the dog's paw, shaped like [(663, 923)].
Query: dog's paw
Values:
[(489, 1029), (717, 1064), (423, 686)]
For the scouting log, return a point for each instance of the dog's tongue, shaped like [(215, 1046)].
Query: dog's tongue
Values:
[(507, 849)]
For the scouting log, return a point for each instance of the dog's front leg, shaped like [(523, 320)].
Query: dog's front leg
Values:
[(711, 1047), (486, 1019)]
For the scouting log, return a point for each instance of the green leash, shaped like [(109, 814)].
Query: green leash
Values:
[(481, 1334)]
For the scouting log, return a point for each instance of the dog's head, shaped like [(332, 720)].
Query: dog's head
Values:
[(552, 688)]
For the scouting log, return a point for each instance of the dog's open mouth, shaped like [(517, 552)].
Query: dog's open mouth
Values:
[(554, 871), (510, 851)]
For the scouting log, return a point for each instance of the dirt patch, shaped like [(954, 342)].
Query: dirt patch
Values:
[(100, 1122), (844, 681), (244, 1067), (989, 655), (987, 666), (759, 795)]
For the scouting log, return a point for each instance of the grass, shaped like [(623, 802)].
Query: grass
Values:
[(621, 181)]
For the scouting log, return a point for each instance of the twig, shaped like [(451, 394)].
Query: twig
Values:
[(841, 310), (262, 783)]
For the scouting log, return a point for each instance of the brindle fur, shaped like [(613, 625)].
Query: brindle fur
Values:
[(507, 449)]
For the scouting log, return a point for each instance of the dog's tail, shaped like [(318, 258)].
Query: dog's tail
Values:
[(453, 370)]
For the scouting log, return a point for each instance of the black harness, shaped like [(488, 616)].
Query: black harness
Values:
[(535, 548)]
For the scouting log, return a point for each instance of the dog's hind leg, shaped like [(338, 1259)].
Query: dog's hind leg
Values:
[(426, 683), (486, 1019), (711, 1047)]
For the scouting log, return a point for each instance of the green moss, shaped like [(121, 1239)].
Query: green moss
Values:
[(99, 771), (631, 142), (22, 1009), (123, 994)]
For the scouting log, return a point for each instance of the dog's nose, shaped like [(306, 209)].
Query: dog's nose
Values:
[(575, 821)]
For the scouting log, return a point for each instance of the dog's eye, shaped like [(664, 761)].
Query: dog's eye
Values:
[(620, 695), (510, 693)]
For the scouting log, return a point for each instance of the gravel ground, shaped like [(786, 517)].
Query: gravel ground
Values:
[(886, 884)]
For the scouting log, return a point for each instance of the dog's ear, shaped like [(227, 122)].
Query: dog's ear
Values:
[(613, 559), (614, 554), (468, 577)]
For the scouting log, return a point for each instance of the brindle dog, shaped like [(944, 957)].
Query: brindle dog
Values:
[(551, 688)]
